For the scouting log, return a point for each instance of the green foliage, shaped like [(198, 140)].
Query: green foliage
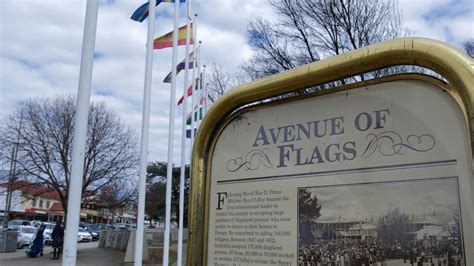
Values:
[(155, 204)]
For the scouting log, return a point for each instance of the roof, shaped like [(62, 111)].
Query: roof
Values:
[(33, 189), (366, 226), (56, 207), (40, 190)]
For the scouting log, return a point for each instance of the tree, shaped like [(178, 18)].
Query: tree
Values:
[(219, 81), (394, 225), (309, 210), (117, 195), (45, 144), (469, 48), (156, 192), (307, 30), (155, 203)]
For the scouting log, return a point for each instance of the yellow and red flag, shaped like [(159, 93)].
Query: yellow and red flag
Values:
[(167, 39)]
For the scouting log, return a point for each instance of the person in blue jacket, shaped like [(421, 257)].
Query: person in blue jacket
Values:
[(37, 246)]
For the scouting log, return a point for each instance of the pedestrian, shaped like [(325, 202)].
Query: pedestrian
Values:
[(58, 237), (37, 246)]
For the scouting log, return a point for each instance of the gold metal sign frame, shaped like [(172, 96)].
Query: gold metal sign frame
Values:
[(456, 67)]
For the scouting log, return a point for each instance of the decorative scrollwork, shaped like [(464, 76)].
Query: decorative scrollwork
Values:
[(252, 161), (389, 143)]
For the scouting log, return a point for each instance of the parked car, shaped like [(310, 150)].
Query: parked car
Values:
[(103, 227), (111, 227), (26, 233), (19, 222), (122, 227), (36, 223), (93, 229), (83, 235), (47, 233)]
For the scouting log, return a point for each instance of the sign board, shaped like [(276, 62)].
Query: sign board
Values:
[(375, 172), (322, 178), (154, 238)]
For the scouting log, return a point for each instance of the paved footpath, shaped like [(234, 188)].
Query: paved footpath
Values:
[(88, 254)]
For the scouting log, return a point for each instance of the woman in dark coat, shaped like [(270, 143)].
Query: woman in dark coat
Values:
[(58, 237)]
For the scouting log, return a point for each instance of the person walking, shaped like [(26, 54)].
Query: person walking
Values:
[(37, 246), (58, 237)]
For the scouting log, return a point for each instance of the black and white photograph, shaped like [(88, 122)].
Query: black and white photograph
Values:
[(412, 222)]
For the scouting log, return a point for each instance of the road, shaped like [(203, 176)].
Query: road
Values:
[(87, 254)]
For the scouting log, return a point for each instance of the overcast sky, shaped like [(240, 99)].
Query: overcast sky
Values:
[(363, 202), (41, 42)]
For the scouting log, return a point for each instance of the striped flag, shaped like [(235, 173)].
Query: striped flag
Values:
[(190, 92), (142, 12), (197, 116), (188, 133), (198, 113), (166, 40), (180, 67)]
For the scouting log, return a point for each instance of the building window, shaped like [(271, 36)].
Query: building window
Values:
[(47, 204), (34, 203), (41, 204)]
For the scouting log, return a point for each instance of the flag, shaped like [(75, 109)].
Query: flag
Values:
[(142, 12), (197, 116), (188, 119), (180, 67), (167, 39), (201, 102), (188, 133), (190, 92)]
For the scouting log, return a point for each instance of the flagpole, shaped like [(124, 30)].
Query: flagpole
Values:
[(193, 96), (206, 95), (80, 134), (199, 89), (183, 139), (138, 256), (169, 168), (204, 90)]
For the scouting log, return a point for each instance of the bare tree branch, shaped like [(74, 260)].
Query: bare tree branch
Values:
[(307, 30), (45, 145)]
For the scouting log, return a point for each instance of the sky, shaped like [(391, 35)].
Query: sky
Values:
[(371, 201), (40, 51)]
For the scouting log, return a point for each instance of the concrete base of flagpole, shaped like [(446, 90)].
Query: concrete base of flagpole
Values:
[(153, 247)]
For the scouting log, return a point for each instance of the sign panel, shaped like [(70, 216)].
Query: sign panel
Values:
[(377, 174)]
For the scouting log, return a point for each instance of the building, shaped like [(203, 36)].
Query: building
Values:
[(333, 229), (15, 207), (29, 201), (433, 233), (32, 201)]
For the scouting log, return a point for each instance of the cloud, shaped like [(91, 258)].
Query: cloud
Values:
[(361, 202), (40, 53), (450, 21)]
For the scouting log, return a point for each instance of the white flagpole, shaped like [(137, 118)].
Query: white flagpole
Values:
[(193, 96), (80, 134), (199, 86), (138, 256), (183, 139), (169, 168), (206, 95)]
